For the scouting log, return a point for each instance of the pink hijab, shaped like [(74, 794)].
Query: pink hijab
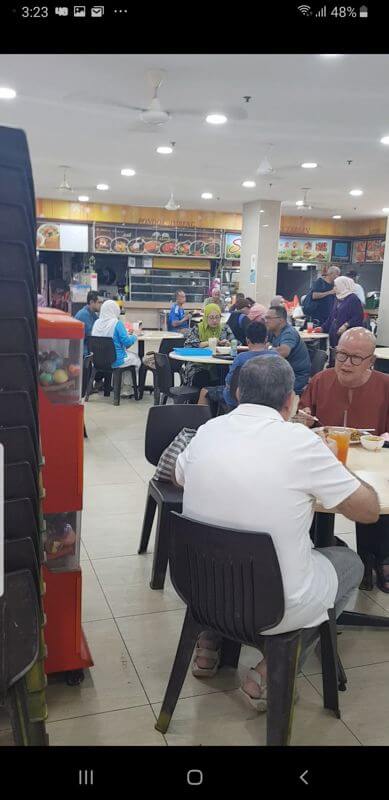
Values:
[(257, 313)]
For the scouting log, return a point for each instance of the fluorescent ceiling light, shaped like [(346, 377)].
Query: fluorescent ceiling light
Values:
[(261, 210), (164, 150), (207, 196), (309, 165), (103, 187), (300, 203), (265, 226), (128, 173), (249, 184), (385, 140), (330, 55), (83, 198), (356, 192), (216, 119), (6, 93), (336, 216)]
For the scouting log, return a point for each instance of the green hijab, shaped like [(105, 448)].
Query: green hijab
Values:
[(205, 331)]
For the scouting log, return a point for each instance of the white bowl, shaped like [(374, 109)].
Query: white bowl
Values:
[(372, 444), (223, 351)]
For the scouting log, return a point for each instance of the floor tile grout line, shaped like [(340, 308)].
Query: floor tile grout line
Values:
[(97, 713), (341, 718), (355, 666)]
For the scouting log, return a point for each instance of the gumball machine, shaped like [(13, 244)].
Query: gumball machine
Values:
[(61, 416)]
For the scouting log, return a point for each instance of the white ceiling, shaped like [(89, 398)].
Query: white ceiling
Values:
[(310, 108)]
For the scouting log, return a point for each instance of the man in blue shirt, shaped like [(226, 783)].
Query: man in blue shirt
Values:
[(177, 319), (88, 315), (318, 305), (286, 340), (256, 342)]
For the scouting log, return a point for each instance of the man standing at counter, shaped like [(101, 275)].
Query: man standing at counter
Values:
[(321, 297), (177, 319), (88, 315)]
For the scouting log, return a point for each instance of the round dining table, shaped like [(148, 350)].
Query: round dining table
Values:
[(372, 467), (153, 337)]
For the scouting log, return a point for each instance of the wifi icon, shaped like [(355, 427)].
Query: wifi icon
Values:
[(306, 10)]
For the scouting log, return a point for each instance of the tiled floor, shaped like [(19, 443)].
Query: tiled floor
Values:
[(133, 631)]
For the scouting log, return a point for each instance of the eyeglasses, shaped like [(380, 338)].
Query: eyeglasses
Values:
[(356, 361)]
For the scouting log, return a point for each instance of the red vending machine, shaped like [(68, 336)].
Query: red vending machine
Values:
[(61, 417)]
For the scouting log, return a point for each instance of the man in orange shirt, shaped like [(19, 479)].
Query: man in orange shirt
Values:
[(354, 394)]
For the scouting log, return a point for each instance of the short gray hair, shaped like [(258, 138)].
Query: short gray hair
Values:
[(266, 381), (333, 269)]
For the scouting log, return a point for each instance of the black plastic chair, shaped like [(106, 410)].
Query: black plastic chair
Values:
[(16, 409), (318, 360), (16, 373), (103, 353), (16, 337), (165, 384), (15, 297), (166, 346), (163, 425), (16, 225), (231, 583), (20, 481), (18, 446), (17, 262), (20, 521)]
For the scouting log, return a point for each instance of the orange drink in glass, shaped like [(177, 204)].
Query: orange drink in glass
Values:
[(342, 439)]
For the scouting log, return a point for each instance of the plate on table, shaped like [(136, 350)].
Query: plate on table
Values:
[(223, 356), (355, 434)]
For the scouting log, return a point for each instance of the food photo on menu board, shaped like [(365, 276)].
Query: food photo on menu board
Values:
[(143, 241), (48, 236), (375, 250), (233, 244), (315, 250)]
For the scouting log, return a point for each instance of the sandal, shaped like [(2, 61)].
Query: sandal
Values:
[(382, 578), (213, 655), (260, 702)]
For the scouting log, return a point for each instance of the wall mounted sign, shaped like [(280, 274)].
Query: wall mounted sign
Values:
[(232, 246), (136, 240), (61, 236), (309, 250)]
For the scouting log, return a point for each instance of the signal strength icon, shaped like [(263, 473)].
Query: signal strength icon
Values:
[(306, 10), (322, 12)]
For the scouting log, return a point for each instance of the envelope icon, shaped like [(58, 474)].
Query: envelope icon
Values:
[(97, 11)]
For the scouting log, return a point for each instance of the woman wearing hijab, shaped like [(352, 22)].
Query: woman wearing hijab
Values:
[(347, 311), (211, 327), (256, 313), (109, 324)]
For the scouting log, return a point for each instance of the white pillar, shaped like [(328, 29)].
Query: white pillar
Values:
[(259, 252), (383, 312)]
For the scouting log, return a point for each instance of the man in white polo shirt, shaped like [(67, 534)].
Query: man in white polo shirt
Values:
[(278, 471)]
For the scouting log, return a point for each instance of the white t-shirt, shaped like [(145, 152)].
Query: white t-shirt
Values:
[(251, 470), (360, 292)]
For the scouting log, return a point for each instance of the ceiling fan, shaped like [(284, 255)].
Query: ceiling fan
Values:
[(265, 167), (66, 186), (305, 203), (171, 204), (152, 116)]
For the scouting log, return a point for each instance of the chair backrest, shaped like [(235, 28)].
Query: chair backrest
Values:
[(165, 422), (103, 351), (165, 380), (167, 345), (230, 579), (235, 383), (318, 360)]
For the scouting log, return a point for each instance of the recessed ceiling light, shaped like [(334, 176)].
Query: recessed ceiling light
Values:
[(265, 226), (216, 119), (309, 165), (165, 150), (336, 216), (249, 184), (385, 140), (300, 203), (207, 196), (385, 210), (83, 198), (128, 173), (356, 192), (103, 187), (7, 94), (261, 210)]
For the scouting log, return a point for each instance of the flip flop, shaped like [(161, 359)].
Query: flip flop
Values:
[(258, 703), (206, 672)]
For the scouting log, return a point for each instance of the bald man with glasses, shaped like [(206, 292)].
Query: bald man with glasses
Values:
[(354, 388)]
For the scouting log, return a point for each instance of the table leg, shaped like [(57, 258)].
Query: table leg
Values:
[(322, 533)]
